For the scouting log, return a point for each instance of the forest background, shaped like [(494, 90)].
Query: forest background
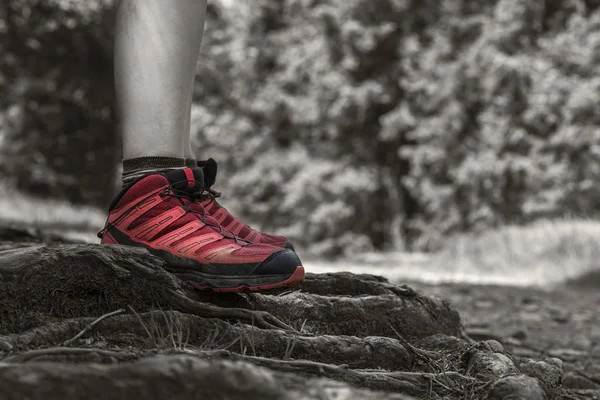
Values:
[(349, 125)]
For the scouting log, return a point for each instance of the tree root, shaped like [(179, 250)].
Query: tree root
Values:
[(161, 327), (362, 330), (262, 319), (176, 377), (74, 281), (61, 352), (412, 383)]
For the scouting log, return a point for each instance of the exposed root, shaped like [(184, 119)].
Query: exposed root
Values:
[(361, 330), (414, 383), (61, 352), (173, 377), (185, 330), (262, 319), (74, 281)]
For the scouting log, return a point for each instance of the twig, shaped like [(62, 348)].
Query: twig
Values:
[(91, 325), (421, 354), (242, 347), (187, 338), (169, 323), (252, 338), (291, 343), (230, 344), (302, 327), (406, 374), (144, 326)]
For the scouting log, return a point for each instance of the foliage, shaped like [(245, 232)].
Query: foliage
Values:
[(348, 124), (56, 121)]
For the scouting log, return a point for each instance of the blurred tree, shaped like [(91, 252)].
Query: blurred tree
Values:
[(56, 76), (348, 124)]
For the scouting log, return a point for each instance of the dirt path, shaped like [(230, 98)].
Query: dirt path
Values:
[(563, 322)]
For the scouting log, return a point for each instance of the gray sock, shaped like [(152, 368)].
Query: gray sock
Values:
[(135, 168), (191, 163)]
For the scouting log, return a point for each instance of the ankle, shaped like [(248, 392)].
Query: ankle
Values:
[(135, 168)]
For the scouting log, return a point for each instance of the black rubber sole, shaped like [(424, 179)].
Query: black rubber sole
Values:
[(214, 283)]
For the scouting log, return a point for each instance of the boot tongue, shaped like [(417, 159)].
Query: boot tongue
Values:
[(209, 168), (189, 180)]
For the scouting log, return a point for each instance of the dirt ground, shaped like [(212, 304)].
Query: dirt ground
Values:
[(562, 322)]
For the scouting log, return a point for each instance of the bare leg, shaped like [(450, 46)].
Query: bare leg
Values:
[(156, 49), (187, 142)]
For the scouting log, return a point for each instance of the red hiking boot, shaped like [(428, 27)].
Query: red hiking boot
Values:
[(224, 217), (155, 213)]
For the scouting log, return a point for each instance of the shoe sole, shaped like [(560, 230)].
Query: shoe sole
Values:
[(239, 284)]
